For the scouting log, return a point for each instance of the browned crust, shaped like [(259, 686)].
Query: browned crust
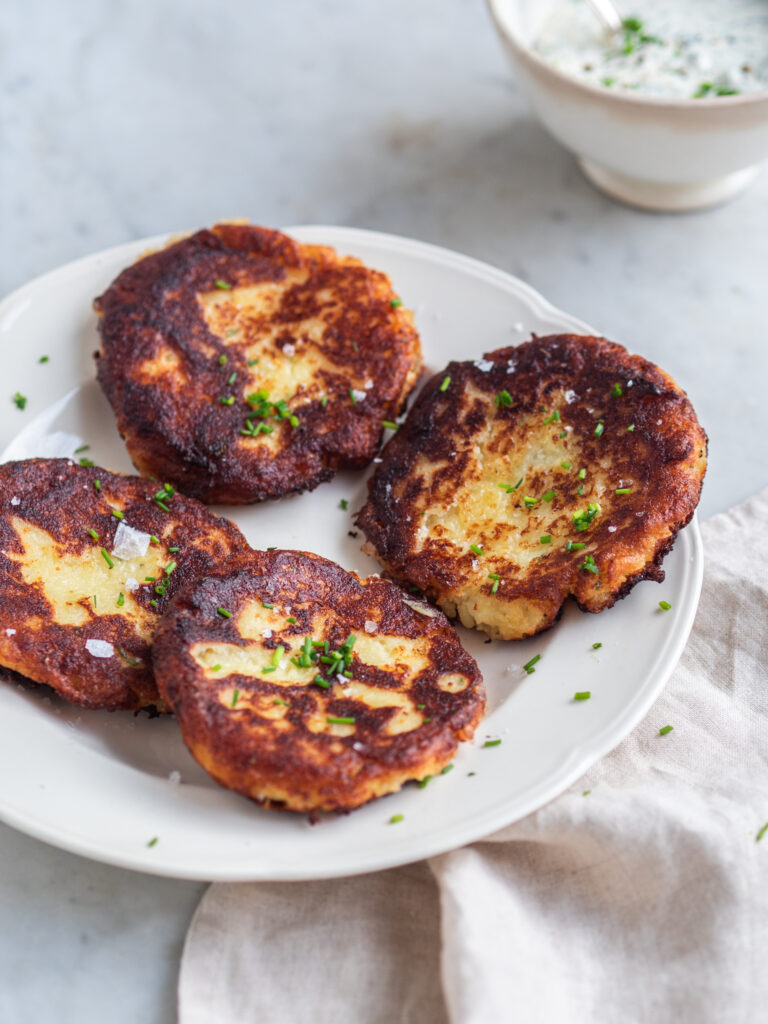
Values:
[(298, 768), (176, 428), (60, 497), (664, 454)]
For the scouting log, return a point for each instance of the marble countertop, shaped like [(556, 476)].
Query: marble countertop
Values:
[(124, 120)]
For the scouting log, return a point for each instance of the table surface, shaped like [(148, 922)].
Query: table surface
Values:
[(126, 120)]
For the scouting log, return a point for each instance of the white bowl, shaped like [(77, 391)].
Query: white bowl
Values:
[(660, 154)]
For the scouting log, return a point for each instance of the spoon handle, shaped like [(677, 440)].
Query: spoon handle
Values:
[(606, 11)]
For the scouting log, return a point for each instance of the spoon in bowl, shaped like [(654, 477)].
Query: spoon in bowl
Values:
[(607, 13)]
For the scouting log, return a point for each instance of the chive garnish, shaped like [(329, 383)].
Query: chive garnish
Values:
[(154, 540), (216, 668), (476, 550), (278, 700), (120, 600), (107, 559), (173, 550), (319, 681), (631, 426), (623, 490), (492, 743), (170, 567), (616, 391), (503, 400), (88, 463), (222, 360), (390, 425), (339, 720), (93, 534), (291, 619), (324, 401), (597, 646), (19, 401), (665, 729), (584, 517), (582, 474), (97, 485), (344, 504), (235, 697), (117, 514), (394, 303), (448, 768), (227, 400), (580, 490), (231, 378), (495, 577), (224, 613), (224, 285), (421, 783), (82, 448), (664, 605), (574, 546), (528, 666), (396, 819), (546, 539), (548, 496), (43, 359), (252, 362), (446, 383), (589, 565), (582, 695), (265, 605), (529, 502), (599, 428), (352, 396), (153, 603)]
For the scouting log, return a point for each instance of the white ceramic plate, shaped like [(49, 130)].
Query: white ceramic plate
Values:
[(98, 784)]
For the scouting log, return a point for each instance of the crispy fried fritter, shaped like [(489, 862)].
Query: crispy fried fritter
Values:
[(242, 365), (75, 615), (562, 467), (297, 683)]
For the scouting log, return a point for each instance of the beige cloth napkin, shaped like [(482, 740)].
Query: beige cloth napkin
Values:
[(644, 901)]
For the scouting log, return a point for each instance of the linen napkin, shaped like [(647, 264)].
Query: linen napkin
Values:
[(639, 895)]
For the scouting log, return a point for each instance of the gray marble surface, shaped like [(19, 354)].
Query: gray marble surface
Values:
[(123, 119)]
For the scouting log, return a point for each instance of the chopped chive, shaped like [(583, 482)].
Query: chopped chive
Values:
[(324, 401), (582, 695), (120, 600), (616, 391), (170, 568), (448, 768), (553, 418), (589, 565), (117, 514), (153, 841), (227, 400), (761, 833), (339, 720), (420, 707), (492, 743), (224, 285), (222, 360), (252, 362), (149, 579), (664, 605), (503, 400), (352, 396), (19, 401), (528, 666), (665, 729), (396, 819), (277, 655), (561, 435), (216, 668), (580, 490), (390, 425), (319, 681), (631, 426), (597, 646), (161, 504), (565, 465), (344, 504), (153, 603), (394, 303), (107, 559), (583, 518), (582, 474), (265, 605), (495, 577), (546, 539), (291, 620), (231, 378), (269, 668), (278, 700), (88, 463), (93, 534), (174, 550), (97, 485), (446, 383), (476, 550), (599, 428), (623, 490), (574, 546), (235, 697), (82, 448), (529, 502), (548, 496), (224, 613), (155, 540), (421, 783), (43, 359)]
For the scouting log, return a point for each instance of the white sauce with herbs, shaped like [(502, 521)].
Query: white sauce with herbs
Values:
[(678, 49)]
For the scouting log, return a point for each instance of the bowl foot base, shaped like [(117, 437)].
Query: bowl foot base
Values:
[(651, 195)]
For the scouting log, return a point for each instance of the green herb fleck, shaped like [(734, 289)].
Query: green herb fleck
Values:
[(617, 391), (582, 695), (82, 448), (107, 559), (93, 534), (582, 474), (597, 646), (528, 666), (120, 599), (631, 427), (117, 513), (599, 429), (761, 833), (446, 383), (340, 720), (344, 504), (19, 401), (495, 577), (665, 729), (394, 303), (589, 565), (235, 697), (492, 743), (224, 613), (546, 539), (396, 819), (390, 425), (222, 360), (554, 417), (565, 465), (476, 550), (574, 546), (664, 605), (623, 490), (548, 496), (153, 841), (503, 400), (224, 285)]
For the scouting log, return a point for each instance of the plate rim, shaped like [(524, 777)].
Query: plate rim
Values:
[(408, 850)]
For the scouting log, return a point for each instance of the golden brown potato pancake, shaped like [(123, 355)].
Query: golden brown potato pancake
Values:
[(242, 365), (88, 563), (297, 683), (562, 467)]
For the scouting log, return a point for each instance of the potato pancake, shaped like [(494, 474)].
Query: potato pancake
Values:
[(302, 685), (243, 366), (88, 563), (561, 467)]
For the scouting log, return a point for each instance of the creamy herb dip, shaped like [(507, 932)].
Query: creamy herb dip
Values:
[(680, 49)]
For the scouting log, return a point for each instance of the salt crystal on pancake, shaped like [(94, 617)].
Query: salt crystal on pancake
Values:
[(15, 501), (129, 543), (99, 648), (131, 584), (358, 395), (484, 365), (10, 631), (371, 626)]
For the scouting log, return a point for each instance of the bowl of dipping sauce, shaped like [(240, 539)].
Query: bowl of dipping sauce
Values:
[(670, 113)]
